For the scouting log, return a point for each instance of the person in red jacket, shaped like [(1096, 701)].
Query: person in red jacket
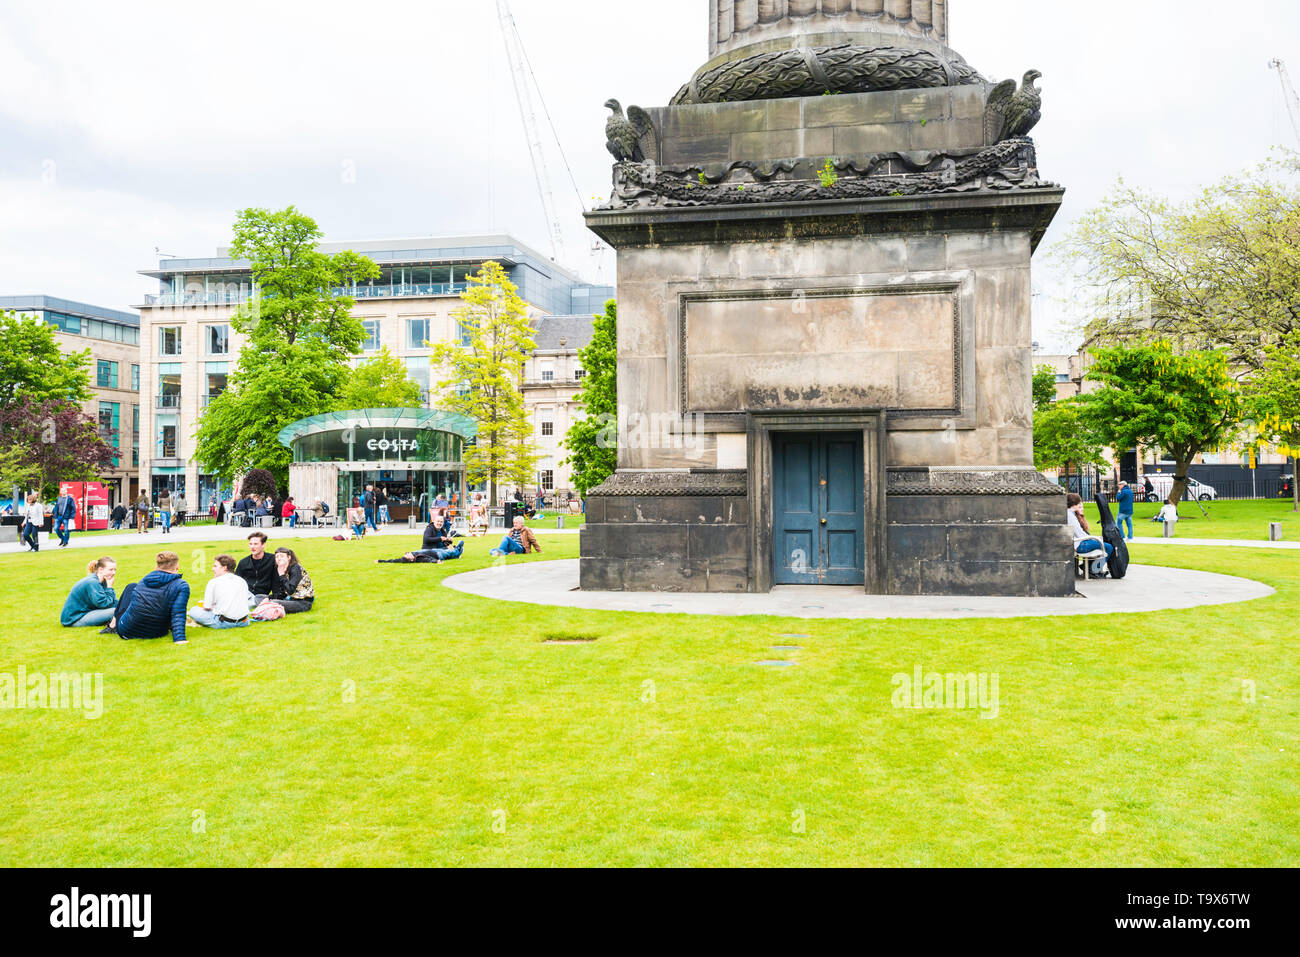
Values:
[(289, 512)]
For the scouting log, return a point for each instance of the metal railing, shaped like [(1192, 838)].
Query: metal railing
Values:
[(169, 401), (393, 291)]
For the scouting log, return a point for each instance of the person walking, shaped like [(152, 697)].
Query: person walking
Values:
[(92, 601), (142, 514), (381, 505), (1125, 502), (65, 515), (179, 505), (119, 515), (165, 510), (368, 502), (34, 521)]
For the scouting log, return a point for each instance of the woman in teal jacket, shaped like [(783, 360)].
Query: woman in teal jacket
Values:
[(92, 600)]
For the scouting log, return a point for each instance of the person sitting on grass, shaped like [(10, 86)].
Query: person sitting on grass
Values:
[(520, 540), (226, 600), (92, 601), (435, 556), (154, 606), (294, 591), (1085, 543), (258, 569)]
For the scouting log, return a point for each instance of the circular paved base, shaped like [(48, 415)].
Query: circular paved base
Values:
[(1147, 588)]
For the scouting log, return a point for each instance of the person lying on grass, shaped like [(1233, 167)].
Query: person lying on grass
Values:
[(226, 599), (155, 605), (520, 540), (426, 556)]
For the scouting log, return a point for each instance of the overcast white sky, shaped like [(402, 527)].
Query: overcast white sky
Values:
[(143, 124)]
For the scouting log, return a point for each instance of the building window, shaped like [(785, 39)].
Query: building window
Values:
[(169, 341), (417, 333), (548, 428), (169, 385), (579, 374), (215, 382), (217, 340), (548, 375), (371, 342), (106, 374), (135, 377), (135, 436), (109, 423), (548, 479), (417, 370), (167, 432), (466, 335)]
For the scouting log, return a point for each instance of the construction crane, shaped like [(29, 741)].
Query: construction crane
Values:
[(1289, 94), (521, 72)]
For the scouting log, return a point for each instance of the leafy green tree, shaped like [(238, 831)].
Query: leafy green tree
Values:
[(301, 336), (1044, 387), (1274, 400), (485, 370), (1221, 271), (1153, 397), (380, 383), (1064, 439), (50, 441), (592, 441), (32, 366)]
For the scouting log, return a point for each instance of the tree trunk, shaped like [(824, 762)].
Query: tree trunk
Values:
[(1180, 480), (1295, 486)]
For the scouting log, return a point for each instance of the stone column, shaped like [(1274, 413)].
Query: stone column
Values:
[(737, 23)]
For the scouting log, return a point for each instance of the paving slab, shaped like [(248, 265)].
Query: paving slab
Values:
[(1147, 588)]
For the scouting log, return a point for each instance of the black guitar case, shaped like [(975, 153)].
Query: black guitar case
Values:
[(1112, 536)]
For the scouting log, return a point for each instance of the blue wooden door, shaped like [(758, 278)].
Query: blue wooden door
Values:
[(817, 509)]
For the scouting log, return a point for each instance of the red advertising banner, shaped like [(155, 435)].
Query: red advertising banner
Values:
[(92, 504)]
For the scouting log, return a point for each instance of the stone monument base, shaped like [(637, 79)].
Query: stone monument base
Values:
[(969, 532)]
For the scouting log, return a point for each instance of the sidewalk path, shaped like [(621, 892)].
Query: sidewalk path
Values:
[(1216, 543), (182, 535)]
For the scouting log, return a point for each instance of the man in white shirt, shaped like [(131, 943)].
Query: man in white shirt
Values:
[(225, 600)]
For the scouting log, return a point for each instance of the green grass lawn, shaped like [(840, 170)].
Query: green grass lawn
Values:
[(1228, 520), (659, 743)]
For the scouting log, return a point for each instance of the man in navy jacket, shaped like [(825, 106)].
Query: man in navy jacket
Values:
[(156, 605), (65, 510)]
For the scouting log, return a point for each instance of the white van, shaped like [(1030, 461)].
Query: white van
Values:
[(1164, 485)]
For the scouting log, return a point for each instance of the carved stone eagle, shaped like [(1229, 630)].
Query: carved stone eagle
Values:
[(1010, 113), (632, 137)]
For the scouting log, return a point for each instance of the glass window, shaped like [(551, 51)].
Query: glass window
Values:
[(371, 342), (215, 383), (109, 413), (167, 432), (417, 333), (466, 335), (106, 374), (135, 377), (547, 368), (169, 385), (169, 341), (579, 374), (548, 428), (135, 436), (217, 339), (417, 370), (548, 479)]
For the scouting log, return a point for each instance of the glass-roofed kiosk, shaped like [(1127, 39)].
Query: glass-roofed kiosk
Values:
[(406, 452)]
